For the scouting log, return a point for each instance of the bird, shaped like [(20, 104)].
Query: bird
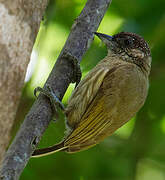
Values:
[(108, 96)]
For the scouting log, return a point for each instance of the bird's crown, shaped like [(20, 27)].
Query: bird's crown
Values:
[(128, 41)]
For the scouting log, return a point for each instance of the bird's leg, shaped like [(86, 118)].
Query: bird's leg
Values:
[(54, 101), (76, 67), (48, 92)]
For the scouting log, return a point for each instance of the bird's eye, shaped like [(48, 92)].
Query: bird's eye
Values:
[(127, 42)]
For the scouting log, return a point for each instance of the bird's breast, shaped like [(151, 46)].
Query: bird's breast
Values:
[(126, 90)]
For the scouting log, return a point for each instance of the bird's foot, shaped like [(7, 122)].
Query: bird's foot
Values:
[(54, 101)]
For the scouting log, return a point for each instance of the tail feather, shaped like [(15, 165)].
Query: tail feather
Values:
[(49, 150)]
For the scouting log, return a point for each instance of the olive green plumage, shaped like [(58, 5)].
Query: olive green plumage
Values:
[(109, 96)]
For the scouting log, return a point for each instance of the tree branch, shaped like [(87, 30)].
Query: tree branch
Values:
[(39, 117), (19, 25)]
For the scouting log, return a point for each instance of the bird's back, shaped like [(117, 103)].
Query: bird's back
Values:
[(120, 95)]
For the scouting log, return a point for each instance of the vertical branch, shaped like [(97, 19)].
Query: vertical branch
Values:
[(38, 118), (19, 24)]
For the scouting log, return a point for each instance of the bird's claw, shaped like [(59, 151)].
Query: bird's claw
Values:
[(54, 101)]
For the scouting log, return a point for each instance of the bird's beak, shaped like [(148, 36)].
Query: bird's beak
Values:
[(104, 37)]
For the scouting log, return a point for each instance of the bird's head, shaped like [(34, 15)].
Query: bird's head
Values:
[(129, 47)]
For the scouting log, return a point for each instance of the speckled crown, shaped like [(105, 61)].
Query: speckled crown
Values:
[(139, 42)]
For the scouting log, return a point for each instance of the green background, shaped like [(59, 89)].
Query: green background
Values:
[(137, 150)]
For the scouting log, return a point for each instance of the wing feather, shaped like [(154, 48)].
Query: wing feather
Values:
[(84, 94), (93, 122), (116, 101)]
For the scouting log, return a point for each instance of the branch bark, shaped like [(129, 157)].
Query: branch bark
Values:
[(19, 24), (37, 120)]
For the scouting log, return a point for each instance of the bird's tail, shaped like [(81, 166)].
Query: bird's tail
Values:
[(49, 150)]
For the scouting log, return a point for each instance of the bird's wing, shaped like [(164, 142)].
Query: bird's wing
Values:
[(94, 121), (84, 94), (99, 119)]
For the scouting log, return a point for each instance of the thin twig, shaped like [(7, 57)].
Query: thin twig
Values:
[(39, 116)]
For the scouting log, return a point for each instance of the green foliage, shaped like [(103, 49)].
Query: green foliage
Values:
[(135, 151)]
